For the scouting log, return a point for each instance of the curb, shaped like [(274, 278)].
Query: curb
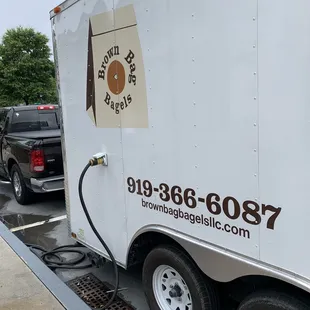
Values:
[(66, 297)]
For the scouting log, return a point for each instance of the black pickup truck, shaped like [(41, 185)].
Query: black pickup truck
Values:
[(31, 156)]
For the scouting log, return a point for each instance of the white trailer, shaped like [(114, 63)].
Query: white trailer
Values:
[(203, 110)]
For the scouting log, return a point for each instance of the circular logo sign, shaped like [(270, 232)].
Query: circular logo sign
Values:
[(116, 77)]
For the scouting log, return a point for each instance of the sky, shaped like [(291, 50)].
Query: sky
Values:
[(27, 13)]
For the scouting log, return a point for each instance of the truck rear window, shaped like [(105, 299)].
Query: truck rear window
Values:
[(34, 120)]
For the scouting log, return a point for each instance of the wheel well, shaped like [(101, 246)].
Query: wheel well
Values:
[(11, 162), (143, 245), (242, 287), (237, 289)]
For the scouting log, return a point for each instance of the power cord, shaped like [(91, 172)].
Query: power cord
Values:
[(97, 160), (54, 260)]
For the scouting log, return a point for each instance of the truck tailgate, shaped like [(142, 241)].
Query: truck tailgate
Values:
[(53, 156), (50, 141)]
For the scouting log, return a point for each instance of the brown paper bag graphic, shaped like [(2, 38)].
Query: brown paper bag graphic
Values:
[(116, 88)]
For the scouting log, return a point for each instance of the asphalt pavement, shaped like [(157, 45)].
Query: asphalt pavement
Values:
[(51, 235)]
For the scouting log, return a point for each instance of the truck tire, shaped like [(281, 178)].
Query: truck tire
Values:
[(21, 192), (272, 300), (172, 282)]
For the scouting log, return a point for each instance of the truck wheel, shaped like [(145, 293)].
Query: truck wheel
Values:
[(22, 194), (173, 282), (272, 300)]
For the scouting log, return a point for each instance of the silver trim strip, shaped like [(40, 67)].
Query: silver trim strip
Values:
[(63, 149), (222, 264)]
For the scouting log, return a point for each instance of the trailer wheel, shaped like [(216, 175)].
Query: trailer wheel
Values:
[(22, 194), (272, 300), (173, 282)]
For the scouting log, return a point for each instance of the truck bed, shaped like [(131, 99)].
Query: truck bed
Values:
[(40, 134)]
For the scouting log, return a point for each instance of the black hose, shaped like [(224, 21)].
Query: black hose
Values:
[(53, 258), (98, 236)]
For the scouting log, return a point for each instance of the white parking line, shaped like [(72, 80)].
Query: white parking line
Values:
[(54, 219), (4, 182)]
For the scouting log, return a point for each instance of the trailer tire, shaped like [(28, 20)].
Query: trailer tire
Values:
[(22, 195), (185, 282), (272, 300)]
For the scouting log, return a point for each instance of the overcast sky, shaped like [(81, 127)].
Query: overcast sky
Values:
[(27, 13)]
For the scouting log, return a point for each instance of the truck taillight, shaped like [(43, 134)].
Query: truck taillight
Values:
[(37, 161), (46, 107)]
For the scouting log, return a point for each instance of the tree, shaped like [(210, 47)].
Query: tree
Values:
[(26, 72)]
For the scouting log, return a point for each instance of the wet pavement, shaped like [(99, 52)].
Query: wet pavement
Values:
[(51, 235)]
